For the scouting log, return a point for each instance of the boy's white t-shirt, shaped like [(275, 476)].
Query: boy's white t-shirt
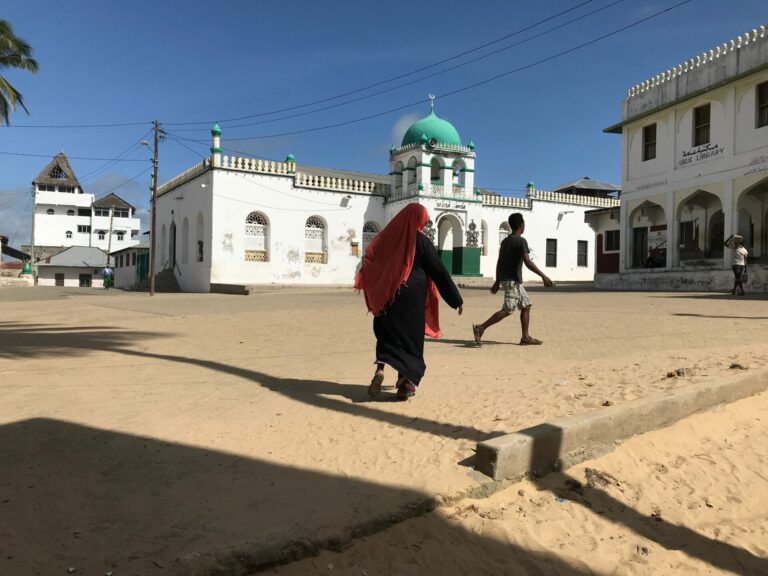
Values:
[(739, 256)]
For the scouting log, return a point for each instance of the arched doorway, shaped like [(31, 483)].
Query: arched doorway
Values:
[(697, 239), (752, 222), (647, 234), (172, 246), (449, 238)]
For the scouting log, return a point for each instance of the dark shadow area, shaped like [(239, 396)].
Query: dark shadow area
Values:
[(469, 343), (724, 317), (572, 287), (101, 501), (319, 393), (546, 457), (723, 296), (21, 340)]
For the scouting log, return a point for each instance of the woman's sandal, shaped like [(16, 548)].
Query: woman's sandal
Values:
[(405, 389), (375, 387)]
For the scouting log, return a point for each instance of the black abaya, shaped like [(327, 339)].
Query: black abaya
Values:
[(399, 329)]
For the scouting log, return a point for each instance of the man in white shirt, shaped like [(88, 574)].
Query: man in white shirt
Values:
[(739, 261)]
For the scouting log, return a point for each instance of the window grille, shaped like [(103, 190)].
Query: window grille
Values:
[(504, 231), (256, 237), (370, 229), (314, 241)]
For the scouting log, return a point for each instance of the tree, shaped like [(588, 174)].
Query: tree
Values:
[(14, 53)]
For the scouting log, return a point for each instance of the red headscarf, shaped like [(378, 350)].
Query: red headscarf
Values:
[(388, 262)]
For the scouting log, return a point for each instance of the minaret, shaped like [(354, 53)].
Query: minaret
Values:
[(216, 148)]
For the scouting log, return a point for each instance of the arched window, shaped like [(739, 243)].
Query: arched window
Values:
[(435, 171), (185, 241), (370, 229), (69, 234), (70, 212), (102, 234), (458, 174), (315, 241), (398, 175), (412, 170), (504, 231), (50, 212), (200, 240), (256, 237), (120, 236)]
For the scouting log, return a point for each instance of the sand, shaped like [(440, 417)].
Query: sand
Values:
[(688, 499), (137, 433)]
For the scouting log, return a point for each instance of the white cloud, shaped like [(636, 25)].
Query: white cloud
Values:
[(401, 125)]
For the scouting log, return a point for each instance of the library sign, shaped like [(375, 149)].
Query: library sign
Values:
[(699, 153)]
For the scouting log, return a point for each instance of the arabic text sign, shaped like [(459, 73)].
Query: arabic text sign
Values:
[(699, 153)]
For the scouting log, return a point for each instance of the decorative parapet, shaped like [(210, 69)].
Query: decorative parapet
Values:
[(258, 165), (506, 201), (185, 176), (526, 203), (304, 180), (559, 197), (467, 150), (698, 61)]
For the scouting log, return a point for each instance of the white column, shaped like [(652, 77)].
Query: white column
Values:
[(672, 248), (730, 218), (447, 174), (624, 244)]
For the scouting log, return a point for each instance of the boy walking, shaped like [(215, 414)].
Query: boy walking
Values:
[(513, 253)]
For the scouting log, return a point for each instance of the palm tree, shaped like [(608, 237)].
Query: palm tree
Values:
[(14, 53)]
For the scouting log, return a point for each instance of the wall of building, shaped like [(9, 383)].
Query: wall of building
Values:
[(563, 222), (46, 276), (190, 202), (51, 229), (692, 183), (287, 208)]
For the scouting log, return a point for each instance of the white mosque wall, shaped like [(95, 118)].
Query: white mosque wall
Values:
[(188, 209), (282, 253), (544, 220)]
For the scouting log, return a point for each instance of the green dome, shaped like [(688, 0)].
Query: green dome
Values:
[(215, 130), (432, 127), (290, 158)]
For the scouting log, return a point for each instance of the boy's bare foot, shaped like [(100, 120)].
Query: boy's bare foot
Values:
[(477, 331), (529, 342)]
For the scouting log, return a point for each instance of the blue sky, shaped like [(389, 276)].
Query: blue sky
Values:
[(190, 61)]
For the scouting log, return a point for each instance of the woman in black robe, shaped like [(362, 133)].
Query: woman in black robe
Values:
[(401, 276)]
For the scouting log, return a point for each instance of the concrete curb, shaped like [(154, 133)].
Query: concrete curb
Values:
[(563, 443)]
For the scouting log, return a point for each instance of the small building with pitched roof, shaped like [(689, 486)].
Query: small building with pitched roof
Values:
[(77, 266)]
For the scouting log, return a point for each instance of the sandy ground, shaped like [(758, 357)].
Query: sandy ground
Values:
[(685, 500), (136, 431)]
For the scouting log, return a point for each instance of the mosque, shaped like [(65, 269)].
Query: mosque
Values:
[(239, 221)]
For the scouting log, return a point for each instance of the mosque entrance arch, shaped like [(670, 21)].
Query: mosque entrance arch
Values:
[(450, 237)]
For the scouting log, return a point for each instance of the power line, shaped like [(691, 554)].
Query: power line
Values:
[(118, 125), (111, 163), (421, 79), (69, 157), (393, 78), (463, 89), (102, 194), (180, 143)]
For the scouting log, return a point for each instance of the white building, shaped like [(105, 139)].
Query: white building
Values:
[(74, 267), (242, 221), (66, 216), (695, 170)]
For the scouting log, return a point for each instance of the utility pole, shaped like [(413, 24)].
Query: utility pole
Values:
[(32, 249), (153, 225), (109, 238)]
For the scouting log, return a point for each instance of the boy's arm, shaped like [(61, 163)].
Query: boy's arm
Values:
[(497, 281), (533, 268)]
